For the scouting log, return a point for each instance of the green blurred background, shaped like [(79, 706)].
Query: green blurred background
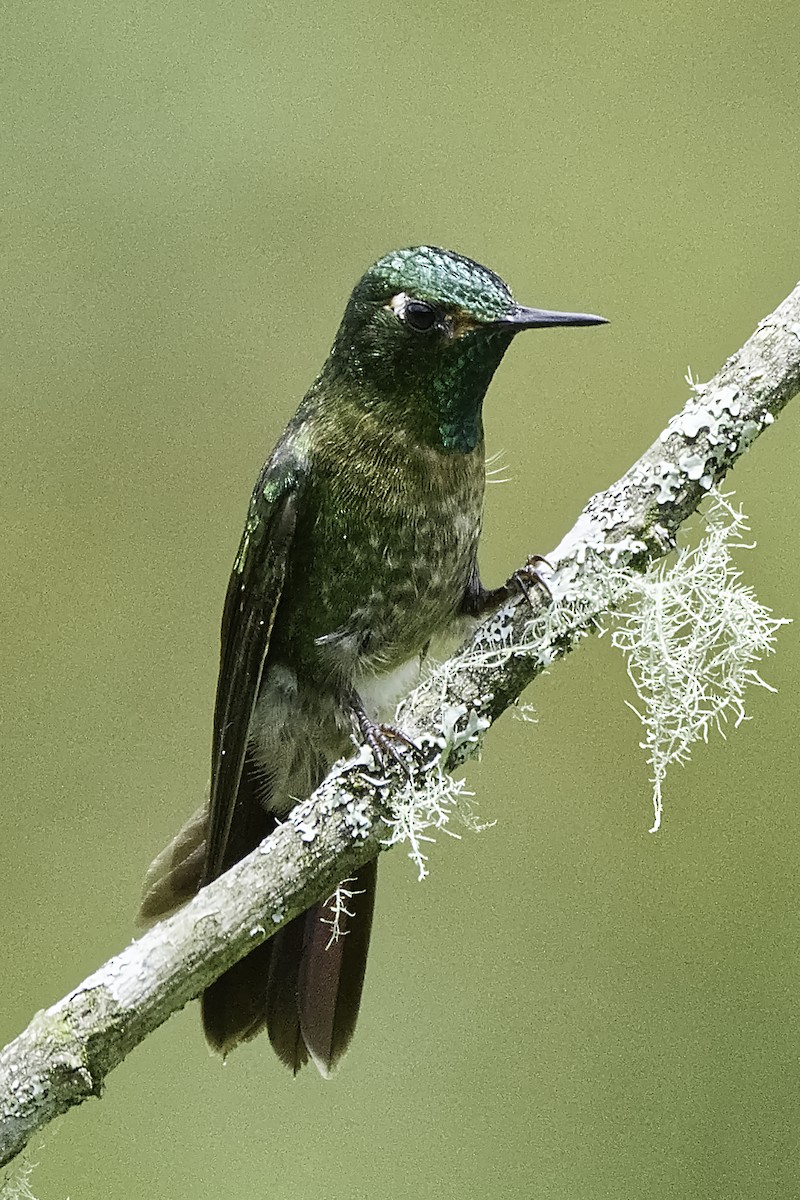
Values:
[(569, 1007)]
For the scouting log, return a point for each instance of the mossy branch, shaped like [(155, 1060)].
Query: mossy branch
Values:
[(66, 1052)]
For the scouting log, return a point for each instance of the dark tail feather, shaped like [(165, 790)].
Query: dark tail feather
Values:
[(315, 983), (331, 974), (283, 1020), (234, 1007)]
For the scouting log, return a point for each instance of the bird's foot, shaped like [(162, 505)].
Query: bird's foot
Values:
[(530, 577), (479, 601), (382, 738)]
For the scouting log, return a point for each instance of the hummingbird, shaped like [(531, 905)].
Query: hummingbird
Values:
[(360, 546)]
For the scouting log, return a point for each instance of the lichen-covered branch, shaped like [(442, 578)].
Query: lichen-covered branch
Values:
[(66, 1052)]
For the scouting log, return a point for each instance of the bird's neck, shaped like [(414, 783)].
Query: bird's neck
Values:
[(441, 409)]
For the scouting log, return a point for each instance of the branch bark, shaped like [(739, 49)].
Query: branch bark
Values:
[(66, 1052)]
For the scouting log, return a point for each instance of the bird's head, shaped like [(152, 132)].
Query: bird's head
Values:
[(422, 335)]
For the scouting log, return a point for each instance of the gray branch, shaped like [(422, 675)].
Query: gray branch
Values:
[(66, 1052)]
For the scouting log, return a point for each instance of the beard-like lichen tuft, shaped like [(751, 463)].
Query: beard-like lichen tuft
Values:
[(692, 635)]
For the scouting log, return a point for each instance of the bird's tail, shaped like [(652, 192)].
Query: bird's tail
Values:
[(303, 985)]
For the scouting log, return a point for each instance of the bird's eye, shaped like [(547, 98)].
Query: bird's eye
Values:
[(419, 316)]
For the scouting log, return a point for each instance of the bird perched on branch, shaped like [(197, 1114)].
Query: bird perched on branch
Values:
[(360, 546)]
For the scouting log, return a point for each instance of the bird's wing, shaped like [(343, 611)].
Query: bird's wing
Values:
[(251, 602)]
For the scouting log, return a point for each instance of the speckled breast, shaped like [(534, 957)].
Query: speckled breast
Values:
[(388, 557)]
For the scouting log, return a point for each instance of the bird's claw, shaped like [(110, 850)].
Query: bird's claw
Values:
[(529, 576), (382, 738)]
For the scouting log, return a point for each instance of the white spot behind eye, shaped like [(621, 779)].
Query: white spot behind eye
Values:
[(398, 304)]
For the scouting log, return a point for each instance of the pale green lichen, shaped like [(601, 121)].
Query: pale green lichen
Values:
[(426, 806), (691, 635), (15, 1183), (337, 912)]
